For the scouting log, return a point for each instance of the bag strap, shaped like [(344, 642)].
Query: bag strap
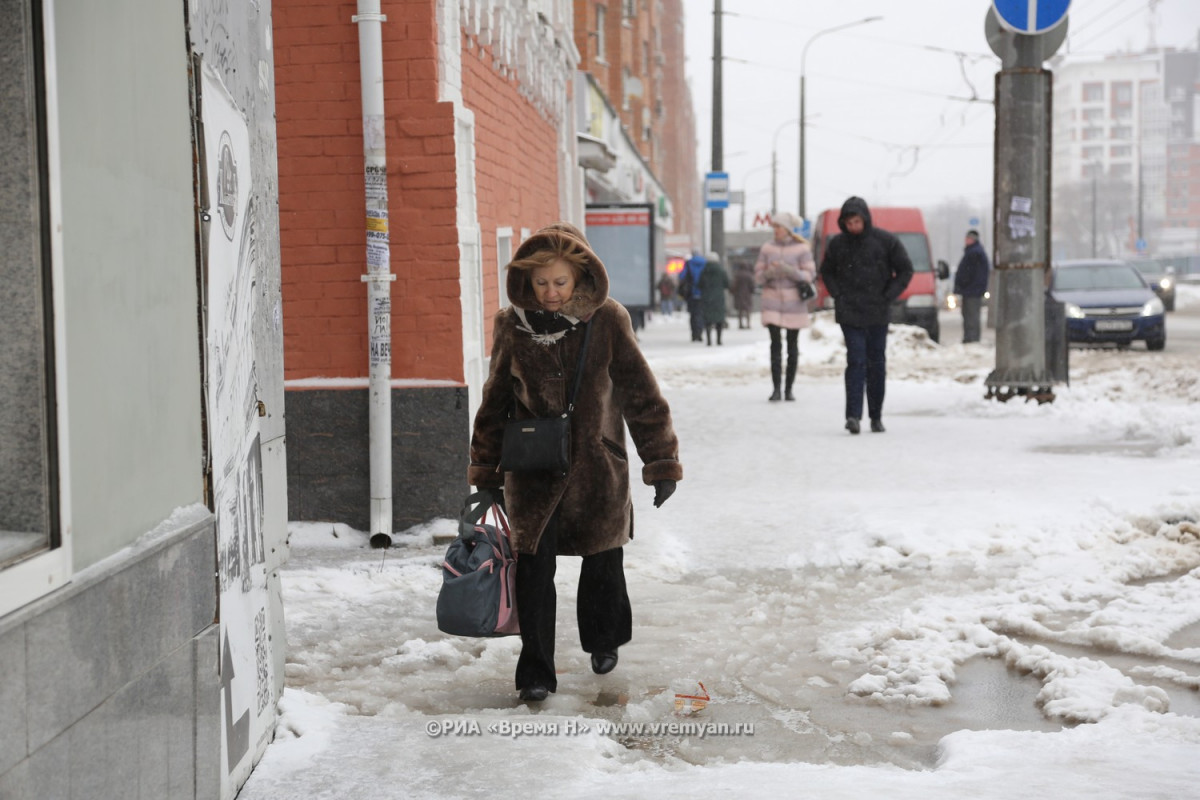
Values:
[(474, 507), (475, 510), (587, 335)]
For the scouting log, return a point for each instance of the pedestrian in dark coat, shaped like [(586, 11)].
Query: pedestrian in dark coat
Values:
[(714, 283), (666, 293), (689, 292), (557, 286), (971, 284), (743, 293), (865, 269)]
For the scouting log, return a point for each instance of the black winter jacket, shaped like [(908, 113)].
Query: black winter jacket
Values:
[(864, 273), (971, 277)]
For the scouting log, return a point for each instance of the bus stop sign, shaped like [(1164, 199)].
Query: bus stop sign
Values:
[(1031, 16)]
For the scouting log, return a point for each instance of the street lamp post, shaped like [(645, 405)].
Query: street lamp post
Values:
[(746, 180), (804, 55), (774, 163)]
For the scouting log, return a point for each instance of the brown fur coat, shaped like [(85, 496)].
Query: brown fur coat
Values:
[(617, 389)]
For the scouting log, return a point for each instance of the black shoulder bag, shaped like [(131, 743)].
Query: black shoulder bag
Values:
[(543, 444)]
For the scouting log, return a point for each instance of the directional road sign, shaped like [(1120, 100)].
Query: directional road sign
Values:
[(1031, 16)]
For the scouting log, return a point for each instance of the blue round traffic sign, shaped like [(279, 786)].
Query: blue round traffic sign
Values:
[(1031, 16)]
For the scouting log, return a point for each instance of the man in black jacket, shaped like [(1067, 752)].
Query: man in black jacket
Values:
[(865, 269), (970, 284)]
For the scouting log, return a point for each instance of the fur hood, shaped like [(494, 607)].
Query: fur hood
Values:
[(591, 290)]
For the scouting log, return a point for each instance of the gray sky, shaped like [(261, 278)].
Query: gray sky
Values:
[(889, 109)]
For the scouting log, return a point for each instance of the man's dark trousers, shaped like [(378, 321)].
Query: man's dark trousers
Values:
[(971, 309), (866, 363)]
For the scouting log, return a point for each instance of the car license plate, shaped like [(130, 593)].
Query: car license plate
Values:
[(1114, 325)]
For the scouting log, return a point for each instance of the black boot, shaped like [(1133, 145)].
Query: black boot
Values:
[(791, 375), (852, 425), (719, 329), (776, 374)]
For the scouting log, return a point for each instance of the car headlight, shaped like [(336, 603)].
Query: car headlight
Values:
[(1153, 307), (922, 301), (1075, 312), (1165, 284)]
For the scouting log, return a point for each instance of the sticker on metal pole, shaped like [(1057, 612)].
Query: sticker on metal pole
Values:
[(1031, 16)]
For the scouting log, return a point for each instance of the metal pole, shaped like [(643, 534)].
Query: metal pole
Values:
[(718, 145), (774, 196), (379, 276), (1095, 169), (1141, 235), (1022, 224), (800, 209)]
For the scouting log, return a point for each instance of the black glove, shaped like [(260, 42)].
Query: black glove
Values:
[(662, 490)]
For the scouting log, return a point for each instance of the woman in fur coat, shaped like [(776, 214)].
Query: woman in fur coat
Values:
[(558, 286)]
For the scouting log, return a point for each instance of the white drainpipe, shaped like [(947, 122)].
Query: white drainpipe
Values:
[(379, 275)]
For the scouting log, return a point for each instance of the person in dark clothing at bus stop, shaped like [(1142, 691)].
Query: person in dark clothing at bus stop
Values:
[(970, 284), (689, 292), (865, 269)]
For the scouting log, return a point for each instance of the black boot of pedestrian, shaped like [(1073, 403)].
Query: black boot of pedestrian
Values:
[(852, 425), (877, 425), (776, 375), (708, 334), (719, 329), (791, 376)]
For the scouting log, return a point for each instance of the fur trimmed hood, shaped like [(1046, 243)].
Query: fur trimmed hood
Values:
[(591, 290)]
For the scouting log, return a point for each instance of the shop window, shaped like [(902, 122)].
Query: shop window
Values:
[(29, 526)]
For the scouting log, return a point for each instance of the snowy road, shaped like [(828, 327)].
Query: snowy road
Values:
[(914, 613)]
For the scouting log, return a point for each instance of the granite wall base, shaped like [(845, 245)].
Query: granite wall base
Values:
[(329, 463), (109, 685)]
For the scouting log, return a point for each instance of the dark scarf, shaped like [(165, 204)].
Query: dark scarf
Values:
[(546, 327)]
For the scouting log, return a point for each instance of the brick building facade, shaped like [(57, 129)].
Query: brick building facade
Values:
[(475, 97), (634, 51)]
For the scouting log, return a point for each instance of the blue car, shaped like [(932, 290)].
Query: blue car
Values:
[(1108, 302)]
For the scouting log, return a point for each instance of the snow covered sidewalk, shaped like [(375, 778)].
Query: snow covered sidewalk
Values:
[(988, 598)]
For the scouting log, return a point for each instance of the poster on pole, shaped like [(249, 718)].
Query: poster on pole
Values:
[(622, 234)]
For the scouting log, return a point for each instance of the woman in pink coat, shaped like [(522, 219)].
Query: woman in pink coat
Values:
[(785, 264)]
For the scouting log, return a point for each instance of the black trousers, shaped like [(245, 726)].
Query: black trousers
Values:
[(696, 318), (866, 363), (601, 607), (793, 353), (971, 310)]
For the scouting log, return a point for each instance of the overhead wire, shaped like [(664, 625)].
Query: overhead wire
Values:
[(1076, 30), (1122, 20)]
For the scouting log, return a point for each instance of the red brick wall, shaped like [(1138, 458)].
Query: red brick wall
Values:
[(322, 202), (516, 164)]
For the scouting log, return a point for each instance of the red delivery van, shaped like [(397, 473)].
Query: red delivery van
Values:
[(919, 304)]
